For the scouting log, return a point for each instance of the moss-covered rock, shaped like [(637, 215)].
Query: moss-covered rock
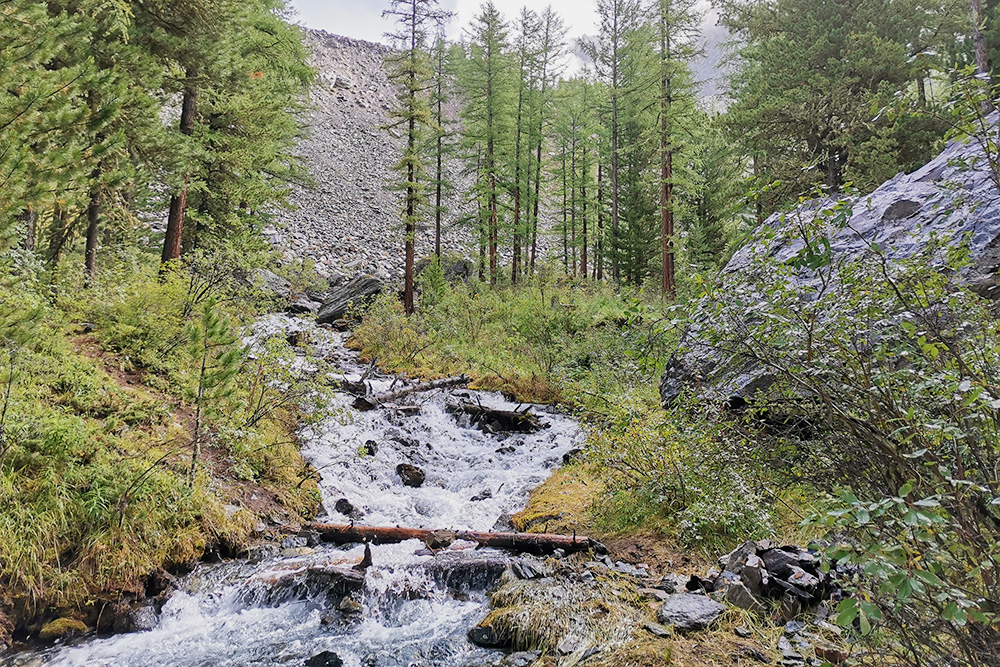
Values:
[(62, 628)]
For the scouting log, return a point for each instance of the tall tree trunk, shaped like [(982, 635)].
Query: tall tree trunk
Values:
[(540, 126), (58, 231), (599, 251), (411, 195), (411, 171), (439, 172), (481, 226), (666, 159), (178, 202), (615, 268), (583, 197), (565, 217), (516, 246), (93, 223), (758, 205), (921, 91), (572, 198), (979, 46), (30, 219)]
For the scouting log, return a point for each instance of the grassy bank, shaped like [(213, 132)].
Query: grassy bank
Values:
[(99, 398)]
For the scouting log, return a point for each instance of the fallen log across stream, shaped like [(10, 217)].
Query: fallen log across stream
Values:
[(498, 421), (535, 543), (369, 402)]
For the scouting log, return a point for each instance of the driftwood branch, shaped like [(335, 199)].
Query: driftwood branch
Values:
[(536, 543)]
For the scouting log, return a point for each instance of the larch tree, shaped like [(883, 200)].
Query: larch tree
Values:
[(488, 117), (676, 32), (618, 18), (551, 49), (411, 71)]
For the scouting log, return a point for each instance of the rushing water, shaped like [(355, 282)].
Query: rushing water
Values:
[(416, 608)]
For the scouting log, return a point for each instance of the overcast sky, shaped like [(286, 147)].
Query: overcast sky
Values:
[(362, 19)]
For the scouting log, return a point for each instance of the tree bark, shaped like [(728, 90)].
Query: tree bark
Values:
[(667, 160), (599, 246), (93, 223), (537, 543), (979, 46), (178, 202), (30, 219), (583, 196)]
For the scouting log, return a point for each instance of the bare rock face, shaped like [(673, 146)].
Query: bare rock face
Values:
[(953, 199)]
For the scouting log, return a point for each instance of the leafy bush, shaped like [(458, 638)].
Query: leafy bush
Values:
[(695, 475), (894, 367), (548, 341)]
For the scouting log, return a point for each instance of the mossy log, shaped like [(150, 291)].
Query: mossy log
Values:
[(536, 543)]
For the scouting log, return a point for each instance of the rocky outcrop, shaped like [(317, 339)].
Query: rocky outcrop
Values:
[(953, 199)]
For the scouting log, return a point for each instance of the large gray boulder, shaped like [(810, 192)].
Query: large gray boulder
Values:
[(687, 612), (953, 199), (356, 291)]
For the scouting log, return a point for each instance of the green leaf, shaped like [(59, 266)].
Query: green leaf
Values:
[(847, 611)]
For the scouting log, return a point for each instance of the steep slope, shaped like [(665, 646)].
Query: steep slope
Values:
[(348, 220)]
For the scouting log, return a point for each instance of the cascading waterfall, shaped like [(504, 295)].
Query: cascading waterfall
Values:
[(415, 606)]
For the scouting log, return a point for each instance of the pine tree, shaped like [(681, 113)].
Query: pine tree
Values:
[(812, 72), (216, 353)]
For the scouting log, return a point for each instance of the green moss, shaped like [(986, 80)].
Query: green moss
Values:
[(61, 628)]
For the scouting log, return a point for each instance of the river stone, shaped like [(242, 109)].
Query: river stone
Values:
[(356, 292), (410, 474), (62, 628), (138, 619), (325, 659), (440, 539), (487, 637), (687, 612), (344, 506)]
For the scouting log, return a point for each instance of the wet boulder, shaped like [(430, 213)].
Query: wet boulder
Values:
[(325, 659), (487, 637), (315, 582), (62, 628), (135, 619), (686, 612), (355, 292), (411, 475)]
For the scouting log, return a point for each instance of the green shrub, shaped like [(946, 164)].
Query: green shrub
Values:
[(687, 474)]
